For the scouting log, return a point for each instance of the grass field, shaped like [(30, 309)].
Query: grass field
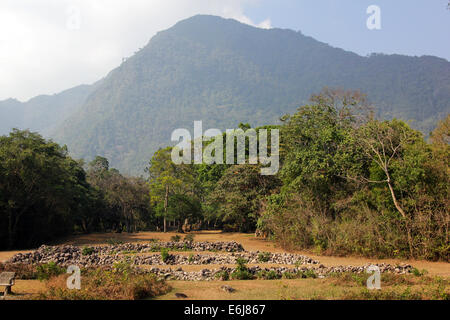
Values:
[(433, 285)]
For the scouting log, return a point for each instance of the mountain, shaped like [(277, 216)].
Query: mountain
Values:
[(42, 113), (223, 72)]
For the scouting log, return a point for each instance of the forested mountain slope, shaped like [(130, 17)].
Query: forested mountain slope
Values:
[(223, 72)]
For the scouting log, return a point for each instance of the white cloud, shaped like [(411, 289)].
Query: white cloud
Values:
[(47, 46)]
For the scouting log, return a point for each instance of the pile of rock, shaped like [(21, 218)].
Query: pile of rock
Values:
[(106, 255), (203, 259), (320, 272), (45, 254), (100, 256), (228, 246)]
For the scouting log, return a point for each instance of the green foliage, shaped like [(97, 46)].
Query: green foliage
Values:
[(165, 255), (355, 185), (123, 268), (171, 190), (238, 194), (264, 256), (228, 73), (48, 270), (269, 275), (241, 272), (124, 203), (223, 275), (87, 251), (189, 237), (419, 273), (43, 192), (175, 238)]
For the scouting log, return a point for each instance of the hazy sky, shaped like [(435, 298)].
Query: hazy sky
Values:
[(47, 46)]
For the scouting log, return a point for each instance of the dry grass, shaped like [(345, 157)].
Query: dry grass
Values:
[(105, 285), (344, 287)]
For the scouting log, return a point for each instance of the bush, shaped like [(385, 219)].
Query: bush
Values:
[(23, 271), (87, 251), (290, 275), (241, 272), (176, 238), (264, 256), (419, 273), (100, 284), (189, 237), (49, 270), (223, 275), (165, 255), (268, 275)]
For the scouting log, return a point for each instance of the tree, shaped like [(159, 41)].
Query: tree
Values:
[(42, 190), (238, 194), (311, 142), (126, 199), (167, 178), (385, 143)]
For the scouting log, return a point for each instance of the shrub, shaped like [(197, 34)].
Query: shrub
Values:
[(165, 255), (100, 284), (87, 251), (418, 273), (308, 274), (241, 272), (155, 248), (189, 237), (268, 275), (264, 256), (290, 275), (49, 270), (23, 271), (223, 275), (191, 258), (123, 267), (175, 238)]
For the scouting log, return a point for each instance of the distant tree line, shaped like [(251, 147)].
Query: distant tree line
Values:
[(348, 184)]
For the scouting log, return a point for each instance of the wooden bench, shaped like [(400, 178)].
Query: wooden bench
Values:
[(7, 279)]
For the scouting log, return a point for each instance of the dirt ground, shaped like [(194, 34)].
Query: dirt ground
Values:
[(254, 289), (248, 241)]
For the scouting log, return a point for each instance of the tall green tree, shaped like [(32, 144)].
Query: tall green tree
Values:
[(167, 179), (42, 190)]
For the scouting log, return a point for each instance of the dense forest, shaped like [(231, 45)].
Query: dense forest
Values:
[(222, 72), (348, 184)]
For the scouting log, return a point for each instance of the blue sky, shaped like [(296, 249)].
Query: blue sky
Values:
[(47, 46), (413, 27)]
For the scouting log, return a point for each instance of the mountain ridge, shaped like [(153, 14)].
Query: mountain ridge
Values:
[(224, 72)]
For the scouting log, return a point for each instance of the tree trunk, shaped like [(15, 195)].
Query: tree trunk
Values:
[(166, 202), (397, 206)]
